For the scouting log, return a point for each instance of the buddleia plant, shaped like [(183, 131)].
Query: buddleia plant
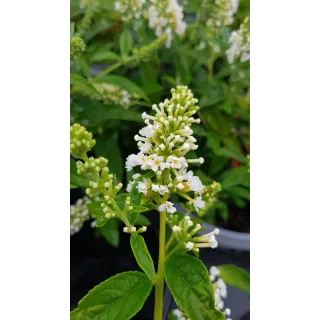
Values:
[(162, 169)]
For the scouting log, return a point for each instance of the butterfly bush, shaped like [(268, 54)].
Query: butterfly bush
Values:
[(129, 9), (166, 16), (220, 293), (240, 43), (222, 15)]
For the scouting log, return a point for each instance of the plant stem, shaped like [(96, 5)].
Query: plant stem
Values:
[(159, 284)]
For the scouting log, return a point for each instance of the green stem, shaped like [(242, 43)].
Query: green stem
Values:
[(159, 284), (113, 67)]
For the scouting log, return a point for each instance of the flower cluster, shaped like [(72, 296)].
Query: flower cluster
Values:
[(240, 43), (103, 183), (78, 215), (166, 17), (208, 195), (163, 145), (222, 15), (220, 290), (77, 46), (111, 94), (129, 9), (184, 231), (220, 293)]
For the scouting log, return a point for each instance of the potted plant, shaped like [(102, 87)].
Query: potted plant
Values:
[(163, 163)]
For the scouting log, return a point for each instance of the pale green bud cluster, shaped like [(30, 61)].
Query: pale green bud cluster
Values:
[(77, 47), (81, 141), (91, 166)]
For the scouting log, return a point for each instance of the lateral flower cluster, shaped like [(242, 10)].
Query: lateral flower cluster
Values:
[(240, 43), (102, 182), (164, 143), (166, 17), (184, 232), (220, 293), (78, 215), (129, 9)]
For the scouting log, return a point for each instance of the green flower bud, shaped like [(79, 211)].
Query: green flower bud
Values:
[(81, 141), (77, 46)]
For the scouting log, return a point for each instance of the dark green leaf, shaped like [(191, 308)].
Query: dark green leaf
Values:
[(234, 177), (118, 298), (95, 209), (110, 231), (120, 200), (72, 186), (235, 277), (125, 83), (83, 84), (189, 283), (140, 209), (136, 198), (103, 56), (101, 222), (143, 221), (107, 146), (125, 43), (214, 142), (226, 152), (142, 255)]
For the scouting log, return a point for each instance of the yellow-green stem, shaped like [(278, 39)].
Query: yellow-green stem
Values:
[(159, 284)]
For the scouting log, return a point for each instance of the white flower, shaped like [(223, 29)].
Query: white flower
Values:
[(147, 131), (129, 186), (145, 147), (198, 203), (136, 176), (227, 311), (194, 183), (141, 160), (214, 271), (189, 245), (131, 162), (180, 186), (156, 162), (168, 207), (223, 288), (143, 187), (174, 162), (176, 229)]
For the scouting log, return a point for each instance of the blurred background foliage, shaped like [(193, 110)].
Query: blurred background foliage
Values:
[(121, 68)]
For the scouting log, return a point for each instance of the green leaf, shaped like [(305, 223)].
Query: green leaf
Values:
[(98, 112), (107, 146), (142, 255), (110, 231), (71, 30), (81, 83), (188, 280), (232, 154), (72, 186), (101, 222), (143, 221), (214, 142), (235, 277), (120, 200), (103, 56), (136, 198), (140, 209), (125, 43), (125, 83), (236, 176), (118, 298), (95, 209)]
